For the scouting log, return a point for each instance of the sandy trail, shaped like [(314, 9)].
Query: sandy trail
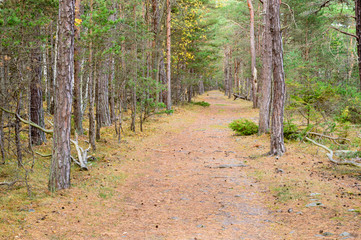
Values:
[(196, 188), (181, 186)]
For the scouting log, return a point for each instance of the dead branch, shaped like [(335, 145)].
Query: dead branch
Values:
[(82, 154), (9, 184), (331, 153), (346, 33), (291, 11), (322, 6), (49, 131), (240, 97), (44, 155), (329, 137)]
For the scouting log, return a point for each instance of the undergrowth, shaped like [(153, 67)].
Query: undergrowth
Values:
[(244, 127), (202, 103)]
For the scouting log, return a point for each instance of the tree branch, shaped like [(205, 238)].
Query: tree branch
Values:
[(9, 184), (49, 131), (322, 6), (346, 33), (331, 153)]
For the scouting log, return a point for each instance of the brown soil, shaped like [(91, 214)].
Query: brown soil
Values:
[(186, 180)]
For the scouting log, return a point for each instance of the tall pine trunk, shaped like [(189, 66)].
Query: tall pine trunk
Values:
[(36, 100), (358, 34), (78, 114), (60, 164), (277, 139), (266, 81), (253, 54), (169, 93)]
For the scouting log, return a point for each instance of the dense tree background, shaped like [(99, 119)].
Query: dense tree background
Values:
[(121, 65)]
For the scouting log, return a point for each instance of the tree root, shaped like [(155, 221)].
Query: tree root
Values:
[(331, 153)]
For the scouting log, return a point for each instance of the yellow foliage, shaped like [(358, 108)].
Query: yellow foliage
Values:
[(78, 21)]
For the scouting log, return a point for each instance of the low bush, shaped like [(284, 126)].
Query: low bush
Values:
[(203, 104), (244, 127), (290, 130)]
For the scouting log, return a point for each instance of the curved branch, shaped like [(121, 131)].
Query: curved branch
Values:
[(331, 153), (49, 131), (346, 33)]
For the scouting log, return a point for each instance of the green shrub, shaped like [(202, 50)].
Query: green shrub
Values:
[(244, 127), (203, 104), (290, 131)]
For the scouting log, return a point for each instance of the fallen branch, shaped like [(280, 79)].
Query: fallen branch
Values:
[(9, 184), (329, 137), (331, 153), (42, 155), (239, 96), (82, 155)]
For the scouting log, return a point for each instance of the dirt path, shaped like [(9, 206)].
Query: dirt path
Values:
[(188, 177), (190, 190), (185, 182)]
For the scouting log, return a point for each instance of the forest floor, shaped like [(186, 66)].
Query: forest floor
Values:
[(188, 177)]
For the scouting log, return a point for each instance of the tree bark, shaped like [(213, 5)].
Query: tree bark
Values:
[(36, 100), (91, 99), (266, 83), (277, 139), (60, 164), (253, 55), (229, 66), (102, 97), (135, 72), (112, 91), (19, 153), (358, 34), (169, 94), (226, 75), (78, 114)]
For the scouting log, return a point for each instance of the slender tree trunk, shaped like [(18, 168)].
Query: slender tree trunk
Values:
[(78, 114), (103, 97), (91, 99), (358, 34), (266, 82), (55, 71), (226, 75), (2, 90), (135, 74), (36, 100), (19, 153), (60, 164), (229, 66), (352, 58), (2, 150), (253, 55), (169, 94), (277, 139), (111, 91)]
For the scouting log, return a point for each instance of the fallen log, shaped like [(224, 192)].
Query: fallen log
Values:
[(240, 97)]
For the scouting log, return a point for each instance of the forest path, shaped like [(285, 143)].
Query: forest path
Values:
[(179, 185), (189, 191)]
